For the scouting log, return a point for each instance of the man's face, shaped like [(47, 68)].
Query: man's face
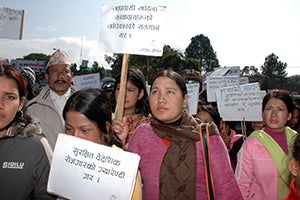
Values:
[(59, 78)]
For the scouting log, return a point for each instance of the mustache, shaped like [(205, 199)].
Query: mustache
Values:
[(57, 81)]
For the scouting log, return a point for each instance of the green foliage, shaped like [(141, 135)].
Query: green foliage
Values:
[(200, 56), (37, 56), (116, 64), (201, 49), (274, 72), (293, 84), (249, 71)]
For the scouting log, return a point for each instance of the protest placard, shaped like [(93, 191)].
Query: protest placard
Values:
[(132, 29), (11, 23), (83, 170), (193, 93), (241, 105), (226, 71), (216, 82), (87, 81)]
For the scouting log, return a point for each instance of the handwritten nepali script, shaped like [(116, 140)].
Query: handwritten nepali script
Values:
[(85, 170), (87, 81), (10, 23), (239, 105), (193, 93), (132, 29)]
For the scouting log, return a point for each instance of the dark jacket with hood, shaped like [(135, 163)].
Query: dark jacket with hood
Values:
[(25, 157)]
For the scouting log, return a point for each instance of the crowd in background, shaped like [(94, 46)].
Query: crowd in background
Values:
[(261, 162)]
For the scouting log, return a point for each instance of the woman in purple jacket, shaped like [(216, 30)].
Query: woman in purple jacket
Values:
[(172, 162)]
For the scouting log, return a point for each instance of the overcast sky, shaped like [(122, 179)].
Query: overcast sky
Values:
[(242, 32)]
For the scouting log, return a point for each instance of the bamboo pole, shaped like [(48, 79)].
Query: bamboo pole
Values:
[(123, 80)]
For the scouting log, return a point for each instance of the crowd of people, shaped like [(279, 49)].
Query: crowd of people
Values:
[(262, 163)]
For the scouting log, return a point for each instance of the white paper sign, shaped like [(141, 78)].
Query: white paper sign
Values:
[(239, 105), (193, 93), (87, 81), (132, 29), (226, 71), (216, 82), (11, 23), (83, 170)]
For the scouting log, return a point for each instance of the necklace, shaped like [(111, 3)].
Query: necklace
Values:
[(129, 115)]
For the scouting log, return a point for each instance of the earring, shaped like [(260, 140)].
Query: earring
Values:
[(21, 113)]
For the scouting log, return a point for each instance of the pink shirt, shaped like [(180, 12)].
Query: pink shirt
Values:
[(152, 150)]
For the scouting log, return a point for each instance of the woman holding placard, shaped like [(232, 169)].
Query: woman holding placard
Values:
[(136, 105), (172, 162), (88, 115)]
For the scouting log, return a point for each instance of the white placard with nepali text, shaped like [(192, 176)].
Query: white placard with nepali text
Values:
[(193, 92), (11, 23), (241, 105), (87, 81), (83, 170), (216, 82), (132, 29)]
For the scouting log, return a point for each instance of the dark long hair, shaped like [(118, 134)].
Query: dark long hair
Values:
[(136, 77), (281, 94), (179, 80), (296, 148), (13, 73), (96, 107)]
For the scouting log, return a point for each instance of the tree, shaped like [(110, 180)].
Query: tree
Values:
[(37, 56), (201, 49), (116, 64), (171, 58), (249, 71), (274, 72), (293, 83)]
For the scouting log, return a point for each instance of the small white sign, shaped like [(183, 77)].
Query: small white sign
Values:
[(216, 82), (132, 29), (193, 92), (11, 23), (87, 81), (83, 170), (241, 105)]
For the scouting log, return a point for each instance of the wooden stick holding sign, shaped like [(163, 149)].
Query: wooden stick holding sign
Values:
[(131, 35), (122, 92)]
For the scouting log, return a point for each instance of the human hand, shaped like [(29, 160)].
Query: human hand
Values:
[(121, 128), (225, 134), (197, 75)]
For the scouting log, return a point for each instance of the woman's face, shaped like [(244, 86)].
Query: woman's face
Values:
[(257, 125), (132, 96), (166, 100), (205, 116), (276, 114), (294, 120), (10, 102), (79, 125)]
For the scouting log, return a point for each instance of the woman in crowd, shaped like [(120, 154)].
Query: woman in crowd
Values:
[(172, 162), (25, 153), (136, 106), (232, 140), (88, 115), (294, 121), (261, 170), (294, 167)]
